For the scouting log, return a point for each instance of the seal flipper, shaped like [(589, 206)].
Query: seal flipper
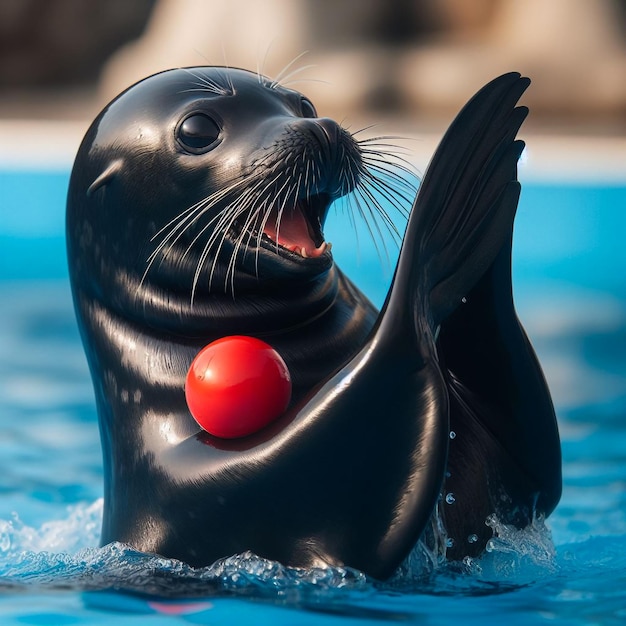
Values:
[(359, 464), (506, 457), (468, 197)]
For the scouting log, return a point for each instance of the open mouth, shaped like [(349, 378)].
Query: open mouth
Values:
[(297, 228)]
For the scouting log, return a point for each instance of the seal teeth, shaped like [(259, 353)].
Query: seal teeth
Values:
[(315, 252)]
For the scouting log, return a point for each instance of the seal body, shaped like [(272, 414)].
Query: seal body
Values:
[(196, 211)]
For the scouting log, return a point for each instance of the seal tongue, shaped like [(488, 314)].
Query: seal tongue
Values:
[(293, 232)]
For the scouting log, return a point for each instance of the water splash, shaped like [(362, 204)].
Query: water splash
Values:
[(61, 554), (79, 530), (513, 554)]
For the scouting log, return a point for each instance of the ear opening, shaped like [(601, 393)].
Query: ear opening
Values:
[(104, 178)]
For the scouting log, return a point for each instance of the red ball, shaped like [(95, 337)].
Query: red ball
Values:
[(236, 386)]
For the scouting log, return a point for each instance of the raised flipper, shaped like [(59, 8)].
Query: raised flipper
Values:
[(505, 455), (468, 197)]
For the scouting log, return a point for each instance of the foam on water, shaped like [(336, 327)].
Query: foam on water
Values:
[(61, 554)]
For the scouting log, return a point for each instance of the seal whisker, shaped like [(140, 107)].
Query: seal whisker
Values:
[(187, 215), (377, 138), (190, 216), (247, 234), (377, 181), (211, 85), (179, 217), (293, 190), (384, 148), (183, 221), (306, 80), (283, 73), (229, 276), (225, 224), (248, 231), (308, 178), (260, 69), (390, 189), (231, 216), (378, 210), (356, 199), (393, 161), (242, 205), (201, 205), (198, 88), (267, 208), (228, 79), (179, 224), (281, 208), (363, 130), (287, 80), (215, 220), (401, 168), (391, 175)]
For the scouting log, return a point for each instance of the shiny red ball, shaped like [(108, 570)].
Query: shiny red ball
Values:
[(236, 386)]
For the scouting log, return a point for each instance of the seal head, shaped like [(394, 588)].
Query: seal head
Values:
[(220, 179)]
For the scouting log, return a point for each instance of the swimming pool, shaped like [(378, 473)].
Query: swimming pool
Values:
[(571, 293)]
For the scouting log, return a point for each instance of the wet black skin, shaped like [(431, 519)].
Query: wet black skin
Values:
[(352, 473)]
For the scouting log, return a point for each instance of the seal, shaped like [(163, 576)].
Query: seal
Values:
[(195, 211)]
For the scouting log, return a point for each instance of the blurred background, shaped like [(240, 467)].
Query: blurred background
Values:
[(409, 63)]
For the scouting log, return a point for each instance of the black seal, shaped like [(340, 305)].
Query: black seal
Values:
[(196, 211)]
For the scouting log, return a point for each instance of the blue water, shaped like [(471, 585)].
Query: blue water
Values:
[(569, 266)]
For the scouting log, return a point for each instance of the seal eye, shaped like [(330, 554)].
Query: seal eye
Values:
[(307, 108), (198, 132)]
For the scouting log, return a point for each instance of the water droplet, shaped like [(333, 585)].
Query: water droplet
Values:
[(472, 538), (450, 499), (448, 474), (491, 546), (449, 542), (464, 300)]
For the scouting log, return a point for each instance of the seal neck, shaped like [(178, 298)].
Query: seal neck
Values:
[(265, 311)]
